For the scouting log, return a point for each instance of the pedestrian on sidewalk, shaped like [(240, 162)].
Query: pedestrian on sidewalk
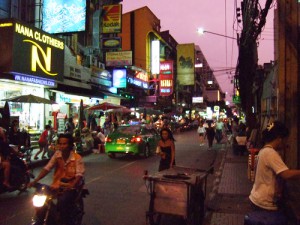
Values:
[(166, 148), (201, 132), (219, 131), (267, 189), (43, 143), (210, 134)]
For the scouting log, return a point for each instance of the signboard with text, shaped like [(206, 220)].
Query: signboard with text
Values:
[(31, 51), (112, 18), (166, 78), (120, 58)]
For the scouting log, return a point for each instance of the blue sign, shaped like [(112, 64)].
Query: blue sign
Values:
[(119, 78), (138, 82), (34, 80)]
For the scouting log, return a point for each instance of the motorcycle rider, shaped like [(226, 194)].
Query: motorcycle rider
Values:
[(69, 171)]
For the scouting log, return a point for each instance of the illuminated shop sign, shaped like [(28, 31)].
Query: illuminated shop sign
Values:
[(138, 82), (166, 78), (101, 76), (34, 80), (142, 76), (31, 51), (155, 56), (119, 78)]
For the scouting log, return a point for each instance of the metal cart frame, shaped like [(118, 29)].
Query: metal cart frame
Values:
[(178, 191)]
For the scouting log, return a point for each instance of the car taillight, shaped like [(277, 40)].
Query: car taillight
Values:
[(107, 139), (136, 140)]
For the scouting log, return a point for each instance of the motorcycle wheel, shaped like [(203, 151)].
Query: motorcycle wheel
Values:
[(78, 212), (24, 180)]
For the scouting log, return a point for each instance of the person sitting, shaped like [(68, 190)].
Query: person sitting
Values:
[(68, 174), (266, 193)]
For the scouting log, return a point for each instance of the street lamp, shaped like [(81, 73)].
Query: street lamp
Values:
[(201, 31)]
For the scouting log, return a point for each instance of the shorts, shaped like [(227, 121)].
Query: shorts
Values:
[(201, 134)]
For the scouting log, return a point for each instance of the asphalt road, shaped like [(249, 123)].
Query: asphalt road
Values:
[(118, 194)]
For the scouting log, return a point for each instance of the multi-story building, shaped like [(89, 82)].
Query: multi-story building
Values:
[(150, 48)]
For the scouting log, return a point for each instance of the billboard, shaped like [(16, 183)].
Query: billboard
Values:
[(111, 22), (120, 58), (64, 16), (166, 78), (185, 64), (28, 50)]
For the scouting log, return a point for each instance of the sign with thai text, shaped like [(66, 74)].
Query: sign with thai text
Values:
[(166, 78), (120, 58)]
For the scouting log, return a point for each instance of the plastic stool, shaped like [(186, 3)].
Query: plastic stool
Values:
[(265, 218)]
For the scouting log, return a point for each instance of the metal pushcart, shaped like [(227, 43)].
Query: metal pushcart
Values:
[(178, 191)]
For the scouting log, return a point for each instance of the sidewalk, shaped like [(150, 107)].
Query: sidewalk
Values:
[(228, 202)]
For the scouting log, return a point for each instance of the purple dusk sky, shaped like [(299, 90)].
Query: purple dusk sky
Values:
[(183, 18)]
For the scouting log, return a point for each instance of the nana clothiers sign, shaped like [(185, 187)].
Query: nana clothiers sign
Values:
[(28, 50)]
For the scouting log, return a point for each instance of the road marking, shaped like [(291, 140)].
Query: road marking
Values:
[(110, 172)]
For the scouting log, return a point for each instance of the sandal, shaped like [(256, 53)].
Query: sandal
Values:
[(36, 157), (44, 157)]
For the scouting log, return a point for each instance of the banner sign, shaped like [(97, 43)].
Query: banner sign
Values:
[(28, 50), (120, 58), (166, 78), (185, 64), (111, 22)]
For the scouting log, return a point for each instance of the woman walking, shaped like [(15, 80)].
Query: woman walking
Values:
[(201, 132), (43, 143), (166, 148), (210, 134)]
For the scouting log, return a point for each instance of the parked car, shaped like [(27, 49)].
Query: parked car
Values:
[(138, 139)]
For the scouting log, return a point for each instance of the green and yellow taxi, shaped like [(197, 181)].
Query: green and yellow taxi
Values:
[(137, 139)]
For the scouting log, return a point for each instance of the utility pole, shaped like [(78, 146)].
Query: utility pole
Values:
[(288, 76), (253, 22)]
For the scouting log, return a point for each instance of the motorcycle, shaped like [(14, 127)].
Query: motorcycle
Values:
[(46, 210), (19, 175)]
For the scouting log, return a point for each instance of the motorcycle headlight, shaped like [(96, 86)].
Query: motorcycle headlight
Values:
[(39, 200)]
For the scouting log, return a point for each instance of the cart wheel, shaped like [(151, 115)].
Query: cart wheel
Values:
[(153, 218), (197, 214)]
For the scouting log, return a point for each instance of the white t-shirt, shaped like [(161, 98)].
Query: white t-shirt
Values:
[(269, 165), (101, 137)]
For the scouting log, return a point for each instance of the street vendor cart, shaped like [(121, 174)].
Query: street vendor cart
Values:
[(178, 191)]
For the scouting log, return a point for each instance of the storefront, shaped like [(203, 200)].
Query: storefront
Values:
[(31, 62)]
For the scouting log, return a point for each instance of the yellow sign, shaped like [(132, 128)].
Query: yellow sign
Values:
[(185, 64), (38, 36)]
